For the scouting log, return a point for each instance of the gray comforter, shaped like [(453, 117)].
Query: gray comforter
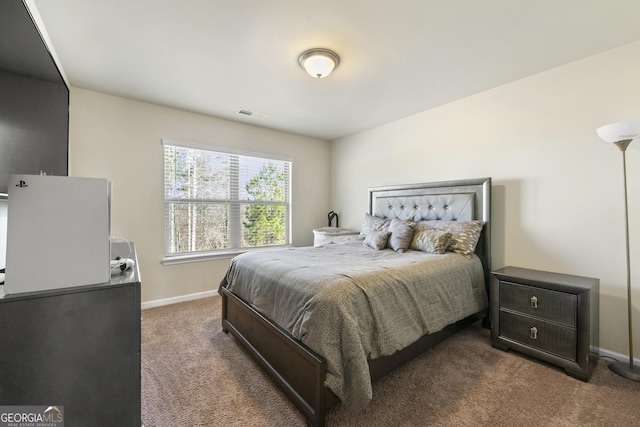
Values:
[(350, 303)]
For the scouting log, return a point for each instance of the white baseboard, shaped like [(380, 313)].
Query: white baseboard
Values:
[(174, 300), (604, 353)]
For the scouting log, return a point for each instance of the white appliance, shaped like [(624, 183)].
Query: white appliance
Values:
[(3, 232), (58, 231)]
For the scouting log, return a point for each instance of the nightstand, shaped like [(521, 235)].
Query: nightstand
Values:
[(550, 316), (330, 235)]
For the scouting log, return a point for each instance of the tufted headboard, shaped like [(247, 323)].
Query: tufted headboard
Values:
[(447, 201)]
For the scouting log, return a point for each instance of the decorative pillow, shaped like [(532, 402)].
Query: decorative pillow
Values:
[(376, 239), (401, 234), (464, 234), (430, 240), (373, 223)]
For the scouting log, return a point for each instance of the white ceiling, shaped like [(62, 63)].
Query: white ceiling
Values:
[(398, 57)]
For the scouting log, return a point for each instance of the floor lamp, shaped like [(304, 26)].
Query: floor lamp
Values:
[(622, 134)]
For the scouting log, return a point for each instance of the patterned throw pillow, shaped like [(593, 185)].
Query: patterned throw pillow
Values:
[(464, 234), (430, 241), (401, 234), (373, 223), (377, 239)]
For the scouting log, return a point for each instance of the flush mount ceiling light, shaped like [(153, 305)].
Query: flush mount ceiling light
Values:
[(318, 62)]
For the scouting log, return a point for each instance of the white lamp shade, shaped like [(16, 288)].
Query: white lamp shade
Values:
[(318, 62), (621, 131), (319, 66)]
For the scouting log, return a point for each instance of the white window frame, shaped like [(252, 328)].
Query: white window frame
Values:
[(235, 202)]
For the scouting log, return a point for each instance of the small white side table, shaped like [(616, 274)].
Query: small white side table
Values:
[(330, 235)]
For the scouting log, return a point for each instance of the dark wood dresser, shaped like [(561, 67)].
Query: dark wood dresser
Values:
[(75, 347), (549, 316)]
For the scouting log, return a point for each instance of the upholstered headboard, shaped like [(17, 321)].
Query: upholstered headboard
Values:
[(448, 201)]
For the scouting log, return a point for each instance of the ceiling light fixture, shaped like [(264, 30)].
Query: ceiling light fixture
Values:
[(318, 62)]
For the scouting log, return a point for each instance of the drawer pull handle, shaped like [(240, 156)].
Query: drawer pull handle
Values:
[(533, 333), (534, 301)]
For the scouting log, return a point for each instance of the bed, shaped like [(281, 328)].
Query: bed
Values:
[(325, 322)]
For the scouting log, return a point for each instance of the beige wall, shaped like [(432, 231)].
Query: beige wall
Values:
[(120, 139), (557, 196), (557, 188)]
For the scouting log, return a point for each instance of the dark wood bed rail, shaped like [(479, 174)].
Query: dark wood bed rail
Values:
[(295, 368)]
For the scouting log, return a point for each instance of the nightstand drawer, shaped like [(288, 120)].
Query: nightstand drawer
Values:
[(549, 305), (533, 332)]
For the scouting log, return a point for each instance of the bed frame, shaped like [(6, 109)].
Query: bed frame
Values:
[(297, 369)]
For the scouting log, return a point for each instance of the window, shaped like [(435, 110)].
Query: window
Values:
[(220, 201)]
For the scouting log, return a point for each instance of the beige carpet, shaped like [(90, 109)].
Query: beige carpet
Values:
[(193, 374)]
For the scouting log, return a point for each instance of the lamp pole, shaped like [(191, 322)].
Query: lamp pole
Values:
[(621, 134), (630, 372)]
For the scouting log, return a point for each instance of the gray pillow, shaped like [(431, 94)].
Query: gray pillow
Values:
[(430, 241), (401, 234), (464, 234), (373, 223), (376, 239)]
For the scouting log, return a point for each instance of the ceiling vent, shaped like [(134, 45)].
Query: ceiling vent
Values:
[(254, 114)]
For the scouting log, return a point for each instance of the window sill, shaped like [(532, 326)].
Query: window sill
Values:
[(209, 256)]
